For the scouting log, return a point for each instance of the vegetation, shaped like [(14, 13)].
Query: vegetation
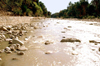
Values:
[(80, 9), (25, 7)]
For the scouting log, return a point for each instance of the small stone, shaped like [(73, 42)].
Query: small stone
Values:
[(0, 59), (69, 26), (48, 52), (70, 40), (63, 37), (20, 53), (7, 49), (62, 31), (99, 49), (14, 59), (0, 51), (47, 43), (10, 42), (8, 27), (21, 48), (3, 28), (17, 41), (92, 41), (9, 52), (8, 39), (65, 28)]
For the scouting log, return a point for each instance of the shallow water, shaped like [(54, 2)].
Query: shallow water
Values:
[(58, 53)]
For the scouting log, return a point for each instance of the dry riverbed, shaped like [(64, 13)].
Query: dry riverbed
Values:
[(29, 41)]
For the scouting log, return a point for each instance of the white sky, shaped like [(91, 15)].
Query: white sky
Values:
[(57, 5)]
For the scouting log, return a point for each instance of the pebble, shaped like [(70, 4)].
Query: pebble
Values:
[(0, 59), (14, 59), (48, 52), (7, 49), (20, 53), (47, 43)]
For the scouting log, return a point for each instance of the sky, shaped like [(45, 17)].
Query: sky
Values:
[(57, 5)]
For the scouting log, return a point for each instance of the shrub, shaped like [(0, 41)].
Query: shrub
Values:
[(17, 11), (90, 17)]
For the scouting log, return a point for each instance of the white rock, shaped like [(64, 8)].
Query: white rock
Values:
[(21, 48), (3, 28), (17, 41), (7, 48)]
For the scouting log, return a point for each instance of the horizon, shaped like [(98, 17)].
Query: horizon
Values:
[(60, 5)]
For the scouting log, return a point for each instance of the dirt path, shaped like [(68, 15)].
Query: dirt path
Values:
[(80, 45)]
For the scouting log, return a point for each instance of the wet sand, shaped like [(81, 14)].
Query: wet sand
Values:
[(55, 52)]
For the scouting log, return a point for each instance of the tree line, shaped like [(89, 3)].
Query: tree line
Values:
[(25, 7), (80, 9)]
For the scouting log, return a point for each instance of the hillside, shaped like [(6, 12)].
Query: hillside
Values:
[(24, 8)]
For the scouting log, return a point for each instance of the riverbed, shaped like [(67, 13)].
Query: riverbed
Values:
[(57, 53)]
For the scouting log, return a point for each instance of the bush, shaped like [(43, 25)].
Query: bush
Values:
[(17, 11), (90, 17), (29, 12)]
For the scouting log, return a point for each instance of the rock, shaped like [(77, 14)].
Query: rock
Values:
[(0, 59), (70, 40), (92, 41), (0, 51), (10, 42), (62, 31), (65, 28), (9, 27), (69, 26), (23, 28), (14, 59), (63, 37), (8, 39), (9, 52), (21, 48), (35, 27), (3, 28), (7, 49), (13, 47), (9, 32), (99, 49), (20, 53), (48, 52), (47, 43), (17, 41)]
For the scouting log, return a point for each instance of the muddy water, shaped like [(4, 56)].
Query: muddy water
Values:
[(58, 53)]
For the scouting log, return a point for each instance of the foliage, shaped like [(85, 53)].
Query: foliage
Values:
[(80, 9), (24, 7)]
